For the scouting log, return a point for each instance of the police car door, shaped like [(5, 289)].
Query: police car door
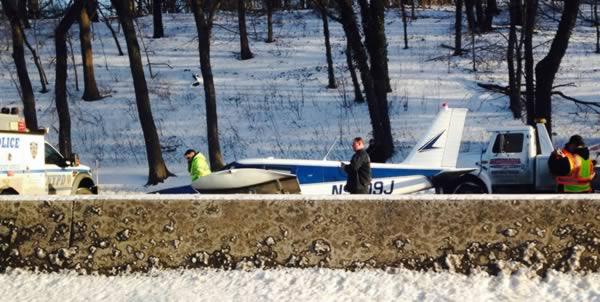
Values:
[(59, 177)]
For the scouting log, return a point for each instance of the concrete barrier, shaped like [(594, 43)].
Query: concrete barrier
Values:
[(112, 234)]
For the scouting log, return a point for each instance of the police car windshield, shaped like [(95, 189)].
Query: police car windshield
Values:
[(52, 156)]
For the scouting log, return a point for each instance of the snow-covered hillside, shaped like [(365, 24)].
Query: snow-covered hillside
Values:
[(277, 104)]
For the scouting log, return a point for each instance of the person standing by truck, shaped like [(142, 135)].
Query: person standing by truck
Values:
[(359, 169), (197, 165), (573, 167)]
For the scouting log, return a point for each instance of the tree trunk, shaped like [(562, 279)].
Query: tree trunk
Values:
[(546, 69), (22, 12), (381, 132), (330, 73), (171, 6), (377, 49), (90, 91), (492, 7), (491, 10), (34, 9), (358, 96), (269, 6), (38, 65), (376, 43), (92, 10), (597, 25), (513, 82), (529, 25), (469, 5), (20, 64), (404, 23), (72, 55), (157, 19), (481, 20), (245, 53), (113, 33), (203, 26), (458, 28), (60, 84), (157, 169)]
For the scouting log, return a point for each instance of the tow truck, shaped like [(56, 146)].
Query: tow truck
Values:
[(514, 161), (31, 166)]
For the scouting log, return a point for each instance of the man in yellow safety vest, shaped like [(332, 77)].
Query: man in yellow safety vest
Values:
[(197, 165)]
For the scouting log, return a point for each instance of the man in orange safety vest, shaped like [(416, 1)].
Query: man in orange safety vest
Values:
[(573, 167)]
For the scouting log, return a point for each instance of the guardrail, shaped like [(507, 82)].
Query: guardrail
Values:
[(113, 234)]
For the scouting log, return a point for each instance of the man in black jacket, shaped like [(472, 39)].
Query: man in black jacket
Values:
[(359, 169)]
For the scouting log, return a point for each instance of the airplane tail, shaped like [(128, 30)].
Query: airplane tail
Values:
[(440, 146)]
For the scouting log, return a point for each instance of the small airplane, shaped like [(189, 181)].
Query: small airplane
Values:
[(432, 160)]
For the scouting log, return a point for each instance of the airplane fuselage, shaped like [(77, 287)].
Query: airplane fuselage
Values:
[(327, 177)]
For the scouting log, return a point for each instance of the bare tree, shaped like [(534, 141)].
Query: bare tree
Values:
[(171, 6), (10, 9), (157, 19), (358, 96), (245, 53), (404, 23), (528, 27), (22, 13), (458, 27), (113, 32), (34, 9), (546, 69), (469, 6), (596, 21), (157, 169), (481, 17), (204, 11), (60, 85), (269, 6), (322, 10), (374, 90), (38, 65), (92, 8), (90, 91), (375, 40), (514, 75)]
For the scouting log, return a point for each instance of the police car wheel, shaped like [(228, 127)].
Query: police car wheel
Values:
[(9, 192), (83, 191)]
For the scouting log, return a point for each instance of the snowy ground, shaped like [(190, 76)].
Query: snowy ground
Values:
[(277, 104), (298, 285)]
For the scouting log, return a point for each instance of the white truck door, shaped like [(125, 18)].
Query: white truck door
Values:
[(508, 159)]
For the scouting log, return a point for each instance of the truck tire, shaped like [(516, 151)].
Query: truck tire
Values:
[(468, 184)]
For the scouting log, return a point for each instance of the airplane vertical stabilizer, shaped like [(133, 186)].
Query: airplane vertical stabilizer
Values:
[(440, 146)]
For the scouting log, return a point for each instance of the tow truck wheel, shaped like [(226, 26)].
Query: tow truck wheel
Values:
[(83, 191), (469, 185)]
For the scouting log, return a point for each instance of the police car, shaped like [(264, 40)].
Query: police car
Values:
[(31, 166)]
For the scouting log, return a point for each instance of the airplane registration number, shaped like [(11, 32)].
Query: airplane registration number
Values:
[(376, 187)]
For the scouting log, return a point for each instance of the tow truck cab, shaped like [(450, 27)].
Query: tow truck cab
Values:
[(31, 166), (516, 161)]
